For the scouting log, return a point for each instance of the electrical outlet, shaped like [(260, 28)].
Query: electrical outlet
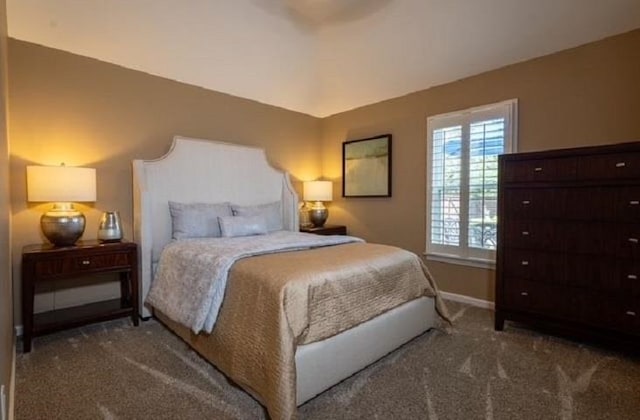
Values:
[(3, 403)]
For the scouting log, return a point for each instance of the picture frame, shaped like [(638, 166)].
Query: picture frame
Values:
[(366, 167)]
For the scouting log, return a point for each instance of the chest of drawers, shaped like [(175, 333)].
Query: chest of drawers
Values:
[(569, 231)]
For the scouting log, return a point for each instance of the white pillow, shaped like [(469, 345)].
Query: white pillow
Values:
[(232, 226), (197, 220), (272, 213)]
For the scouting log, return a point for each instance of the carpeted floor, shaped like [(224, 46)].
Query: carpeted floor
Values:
[(116, 371)]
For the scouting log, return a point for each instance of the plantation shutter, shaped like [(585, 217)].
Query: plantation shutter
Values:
[(463, 180)]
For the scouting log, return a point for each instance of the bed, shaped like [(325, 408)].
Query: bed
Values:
[(204, 171)]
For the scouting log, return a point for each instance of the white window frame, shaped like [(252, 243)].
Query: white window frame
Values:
[(463, 254)]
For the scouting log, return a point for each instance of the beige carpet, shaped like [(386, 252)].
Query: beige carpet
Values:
[(116, 371)]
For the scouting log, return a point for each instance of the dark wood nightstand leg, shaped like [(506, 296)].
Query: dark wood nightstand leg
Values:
[(499, 321), (129, 295), (125, 292), (133, 283)]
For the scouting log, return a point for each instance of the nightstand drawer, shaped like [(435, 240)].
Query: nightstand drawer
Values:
[(72, 265), (326, 230), (95, 262)]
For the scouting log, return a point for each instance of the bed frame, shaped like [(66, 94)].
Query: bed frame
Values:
[(196, 170)]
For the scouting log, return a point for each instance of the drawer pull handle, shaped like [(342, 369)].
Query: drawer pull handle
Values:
[(633, 240), (525, 233), (524, 293), (631, 313), (538, 169), (621, 165), (86, 262), (526, 202), (525, 262), (634, 202), (632, 277)]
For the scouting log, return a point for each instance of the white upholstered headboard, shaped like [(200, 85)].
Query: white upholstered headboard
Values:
[(196, 170)]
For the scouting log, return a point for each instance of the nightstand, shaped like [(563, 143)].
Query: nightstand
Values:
[(326, 230), (44, 262)]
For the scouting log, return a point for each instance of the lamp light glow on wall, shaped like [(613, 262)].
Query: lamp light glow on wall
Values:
[(318, 192), (62, 185)]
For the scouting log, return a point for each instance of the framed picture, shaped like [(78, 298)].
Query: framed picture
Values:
[(366, 167)]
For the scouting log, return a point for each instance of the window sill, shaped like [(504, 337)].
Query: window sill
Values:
[(469, 262)]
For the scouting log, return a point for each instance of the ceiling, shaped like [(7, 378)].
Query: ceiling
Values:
[(319, 57)]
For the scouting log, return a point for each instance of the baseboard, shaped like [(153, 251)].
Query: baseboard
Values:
[(18, 329), (468, 299)]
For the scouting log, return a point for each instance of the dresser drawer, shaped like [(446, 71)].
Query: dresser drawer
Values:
[(612, 276), (543, 299), (579, 203), (590, 203), (627, 279), (542, 170), (593, 238), (535, 234), (626, 241), (572, 304), (533, 203), (75, 265), (603, 203), (534, 266), (591, 272), (524, 295), (627, 204), (608, 166), (617, 314), (620, 240)]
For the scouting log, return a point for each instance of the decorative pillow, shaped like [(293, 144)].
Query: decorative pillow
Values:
[(197, 220), (272, 213), (232, 226)]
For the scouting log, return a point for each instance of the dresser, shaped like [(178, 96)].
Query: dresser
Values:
[(568, 256)]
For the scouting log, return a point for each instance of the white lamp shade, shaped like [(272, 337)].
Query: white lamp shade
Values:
[(318, 191), (61, 184)]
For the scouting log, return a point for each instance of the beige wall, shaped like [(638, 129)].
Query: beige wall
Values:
[(584, 96), (6, 300), (84, 112)]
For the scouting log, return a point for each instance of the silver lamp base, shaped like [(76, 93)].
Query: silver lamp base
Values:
[(63, 225), (318, 216)]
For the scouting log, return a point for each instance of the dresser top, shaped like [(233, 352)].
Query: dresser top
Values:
[(575, 151)]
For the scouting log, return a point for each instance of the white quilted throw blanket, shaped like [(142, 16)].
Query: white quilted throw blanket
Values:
[(192, 273)]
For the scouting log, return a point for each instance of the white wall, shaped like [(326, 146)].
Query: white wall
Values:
[(319, 57), (410, 45), (237, 47)]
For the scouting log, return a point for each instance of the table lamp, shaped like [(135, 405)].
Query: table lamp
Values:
[(318, 191), (63, 185)]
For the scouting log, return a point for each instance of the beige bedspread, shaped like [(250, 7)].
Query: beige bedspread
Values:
[(274, 302)]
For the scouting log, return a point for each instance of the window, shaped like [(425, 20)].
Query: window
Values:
[(462, 180)]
